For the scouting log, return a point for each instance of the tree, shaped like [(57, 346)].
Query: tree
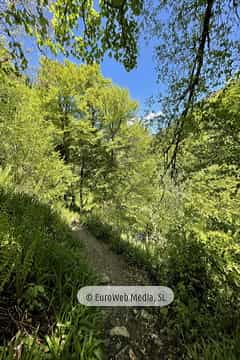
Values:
[(27, 150), (110, 110), (84, 29), (197, 51), (89, 114), (64, 91)]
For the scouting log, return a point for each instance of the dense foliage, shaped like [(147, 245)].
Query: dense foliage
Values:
[(41, 266), (84, 29), (71, 140), (192, 231)]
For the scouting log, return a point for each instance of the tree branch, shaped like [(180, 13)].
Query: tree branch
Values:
[(193, 83)]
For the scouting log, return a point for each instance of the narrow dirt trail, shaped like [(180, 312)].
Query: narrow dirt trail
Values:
[(143, 342)]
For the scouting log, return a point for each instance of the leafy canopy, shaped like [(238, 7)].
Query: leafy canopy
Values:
[(84, 29)]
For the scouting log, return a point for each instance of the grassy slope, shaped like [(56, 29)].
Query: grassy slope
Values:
[(41, 270)]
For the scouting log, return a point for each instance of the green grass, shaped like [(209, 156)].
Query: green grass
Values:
[(41, 269), (227, 349)]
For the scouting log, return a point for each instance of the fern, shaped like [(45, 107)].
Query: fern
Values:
[(24, 266), (5, 176), (9, 251)]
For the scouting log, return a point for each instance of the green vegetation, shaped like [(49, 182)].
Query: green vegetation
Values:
[(192, 232), (73, 146), (86, 30), (71, 142), (42, 268), (41, 265)]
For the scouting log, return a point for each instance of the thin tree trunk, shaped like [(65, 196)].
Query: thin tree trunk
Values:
[(81, 185)]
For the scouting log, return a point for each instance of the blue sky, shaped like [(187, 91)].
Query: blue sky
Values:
[(141, 82)]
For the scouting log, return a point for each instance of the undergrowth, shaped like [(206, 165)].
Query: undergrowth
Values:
[(41, 269), (203, 320)]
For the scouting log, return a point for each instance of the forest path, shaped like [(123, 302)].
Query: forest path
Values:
[(143, 342)]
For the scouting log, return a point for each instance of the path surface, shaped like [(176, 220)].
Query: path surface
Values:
[(144, 342)]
